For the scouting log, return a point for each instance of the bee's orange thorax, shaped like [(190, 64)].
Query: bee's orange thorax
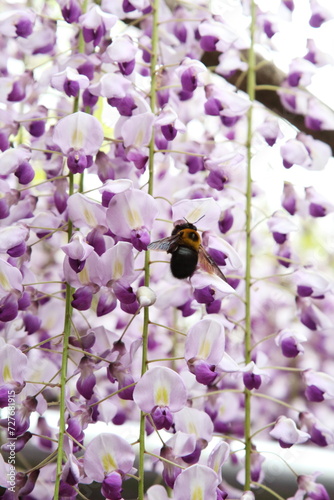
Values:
[(190, 238)]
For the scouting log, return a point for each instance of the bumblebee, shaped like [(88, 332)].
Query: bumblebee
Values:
[(186, 249)]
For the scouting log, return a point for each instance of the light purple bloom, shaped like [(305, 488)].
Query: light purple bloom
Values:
[(308, 486), (216, 35), (112, 85), (318, 151), (13, 238), (294, 152), (270, 131), (136, 131), (319, 14), (230, 62), (108, 453), (123, 51), (281, 225), (189, 73), (320, 434), (320, 385), (204, 349), (310, 284), (285, 430), (85, 212), (198, 481), (17, 22), (300, 72), (169, 123), (78, 132), (194, 421), (70, 82), (95, 24), (290, 342), (131, 214), (160, 391), (13, 369), (218, 457)]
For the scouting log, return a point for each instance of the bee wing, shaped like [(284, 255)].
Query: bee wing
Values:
[(168, 244), (208, 264)]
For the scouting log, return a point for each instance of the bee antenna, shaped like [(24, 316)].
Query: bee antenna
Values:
[(199, 219)]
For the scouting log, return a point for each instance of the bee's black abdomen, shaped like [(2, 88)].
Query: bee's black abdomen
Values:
[(183, 262)]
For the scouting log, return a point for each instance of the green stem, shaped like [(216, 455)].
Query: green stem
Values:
[(64, 360), (251, 83), (269, 490), (154, 59)]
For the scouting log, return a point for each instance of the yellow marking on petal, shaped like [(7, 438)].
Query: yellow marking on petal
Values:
[(118, 270), (139, 137), (89, 217), (161, 396), (6, 373), (195, 214), (216, 465), (134, 218), (83, 276), (77, 139), (108, 463), (4, 282), (197, 493), (204, 350), (192, 428)]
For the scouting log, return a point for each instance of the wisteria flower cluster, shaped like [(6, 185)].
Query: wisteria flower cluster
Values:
[(116, 133)]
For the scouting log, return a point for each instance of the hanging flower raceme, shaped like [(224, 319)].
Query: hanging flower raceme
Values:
[(161, 393), (79, 137)]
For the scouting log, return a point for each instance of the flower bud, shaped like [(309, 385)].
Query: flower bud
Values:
[(145, 296)]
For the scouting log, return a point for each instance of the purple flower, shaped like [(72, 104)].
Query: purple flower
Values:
[(197, 480), (71, 10), (131, 215), (290, 343), (14, 23), (320, 434), (189, 72), (123, 51), (70, 82), (87, 380), (79, 137), (314, 491), (280, 225), (319, 385), (161, 392), (270, 131), (285, 430), (169, 123), (204, 349), (14, 365), (95, 24), (105, 454)]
